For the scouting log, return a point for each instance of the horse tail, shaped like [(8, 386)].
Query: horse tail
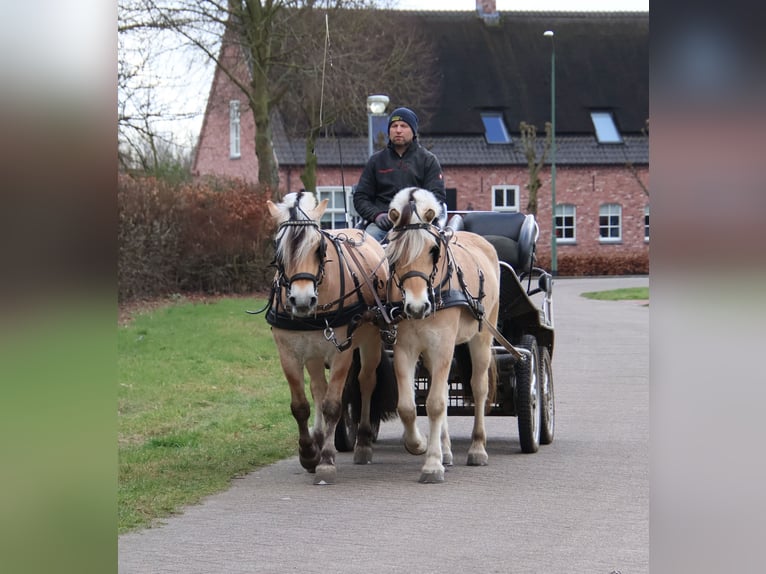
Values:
[(385, 397)]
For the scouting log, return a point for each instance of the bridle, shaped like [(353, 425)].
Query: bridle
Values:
[(315, 278)]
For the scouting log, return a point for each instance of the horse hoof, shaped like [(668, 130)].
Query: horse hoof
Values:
[(417, 449), (478, 459), (309, 463), (447, 459), (362, 455), (432, 477), (325, 474)]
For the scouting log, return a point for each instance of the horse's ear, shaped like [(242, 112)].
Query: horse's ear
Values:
[(320, 209), (273, 209), (430, 215), (394, 215)]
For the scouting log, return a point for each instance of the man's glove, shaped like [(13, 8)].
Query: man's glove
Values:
[(382, 221)]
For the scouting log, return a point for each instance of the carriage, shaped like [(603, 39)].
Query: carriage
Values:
[(524, 387), (454, 316)]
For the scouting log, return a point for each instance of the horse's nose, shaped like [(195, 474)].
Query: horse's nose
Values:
[(418, 311), (302, 306)]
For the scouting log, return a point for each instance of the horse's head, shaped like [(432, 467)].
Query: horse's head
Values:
[(300, 249), (414, 248)]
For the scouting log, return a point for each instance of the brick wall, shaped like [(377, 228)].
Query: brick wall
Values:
[(585, 187), (213, 148)]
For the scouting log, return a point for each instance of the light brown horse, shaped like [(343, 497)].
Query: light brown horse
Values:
[(446, 284), (321, 309)]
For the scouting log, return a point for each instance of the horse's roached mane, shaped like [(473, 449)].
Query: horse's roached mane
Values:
[(296, 242), (405, 246)]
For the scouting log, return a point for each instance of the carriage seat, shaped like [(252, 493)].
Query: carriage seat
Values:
[(513, 234)]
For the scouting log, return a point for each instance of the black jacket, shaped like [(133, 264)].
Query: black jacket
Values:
[(386, 173)]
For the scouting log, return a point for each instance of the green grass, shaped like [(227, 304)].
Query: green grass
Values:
[(201, 399), (629, 293)]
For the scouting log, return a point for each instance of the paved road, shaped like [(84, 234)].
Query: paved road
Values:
[(579, 505)]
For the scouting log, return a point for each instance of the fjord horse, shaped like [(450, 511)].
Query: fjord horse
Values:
[(444, 284), (321, 305)]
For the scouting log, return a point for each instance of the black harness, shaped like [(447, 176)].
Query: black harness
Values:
[(443, 295), (347, 313)]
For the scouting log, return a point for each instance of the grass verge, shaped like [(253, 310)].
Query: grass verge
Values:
[(201, 399), (628, 293)]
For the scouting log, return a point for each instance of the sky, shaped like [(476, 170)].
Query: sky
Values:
[(196, 86)]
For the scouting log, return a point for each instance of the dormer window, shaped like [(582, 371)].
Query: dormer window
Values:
[(606, 130), (494, 128)]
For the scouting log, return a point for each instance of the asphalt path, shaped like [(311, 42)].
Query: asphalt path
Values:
[(578, 505)]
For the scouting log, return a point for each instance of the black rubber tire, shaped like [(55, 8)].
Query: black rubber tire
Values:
[(528, 397), (345, 431), (548, 406)]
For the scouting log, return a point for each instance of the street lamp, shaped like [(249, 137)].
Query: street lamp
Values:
[(376, 109), (554, 262)]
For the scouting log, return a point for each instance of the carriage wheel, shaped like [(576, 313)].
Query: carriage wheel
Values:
[(528, 400), (548, 408), (345, 431)]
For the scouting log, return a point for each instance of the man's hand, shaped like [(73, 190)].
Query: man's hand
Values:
[(382, 221)]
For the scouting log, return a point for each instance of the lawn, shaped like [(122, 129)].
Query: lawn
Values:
[(629, 293), (201, 399)]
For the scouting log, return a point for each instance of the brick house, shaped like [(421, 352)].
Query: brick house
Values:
[(496, 74)]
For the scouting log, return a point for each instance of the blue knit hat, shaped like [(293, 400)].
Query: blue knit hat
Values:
[(404, 115)]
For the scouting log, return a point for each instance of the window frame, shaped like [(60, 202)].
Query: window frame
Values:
[(610, 207), (328, 220), (646, 224), (560, 239), (235, 130), (505, 187)]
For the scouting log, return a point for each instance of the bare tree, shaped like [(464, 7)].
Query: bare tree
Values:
[(632, 168), (315, 78), (534, 163), (146, 141)]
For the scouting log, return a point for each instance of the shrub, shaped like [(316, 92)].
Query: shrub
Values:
[(597, 264), (209, 236)]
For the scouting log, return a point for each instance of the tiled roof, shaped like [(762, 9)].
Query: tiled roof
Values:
[(472, 151)]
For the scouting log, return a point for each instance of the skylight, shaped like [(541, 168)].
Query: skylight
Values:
[(494, 128), (606, 130)]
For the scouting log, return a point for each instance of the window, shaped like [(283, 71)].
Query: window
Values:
[(565, 223), (606, 130), (335, 216), (494, 128), (646, 223), (505, 197), (234, 150), (610, 222)]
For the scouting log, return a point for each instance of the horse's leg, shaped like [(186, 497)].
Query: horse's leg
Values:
[(481, 355), (369, 353), (436, 407), (308, 453), (405, 362), (447, 457), (331, 411), (318, 382)]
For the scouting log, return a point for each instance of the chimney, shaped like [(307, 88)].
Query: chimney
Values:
[(487, 10)]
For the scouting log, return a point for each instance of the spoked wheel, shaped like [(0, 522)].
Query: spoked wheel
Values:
[(548, 410), (345, 432), (528, 398)]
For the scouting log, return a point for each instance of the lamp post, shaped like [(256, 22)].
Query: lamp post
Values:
[(554, 261), (376, 109)]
